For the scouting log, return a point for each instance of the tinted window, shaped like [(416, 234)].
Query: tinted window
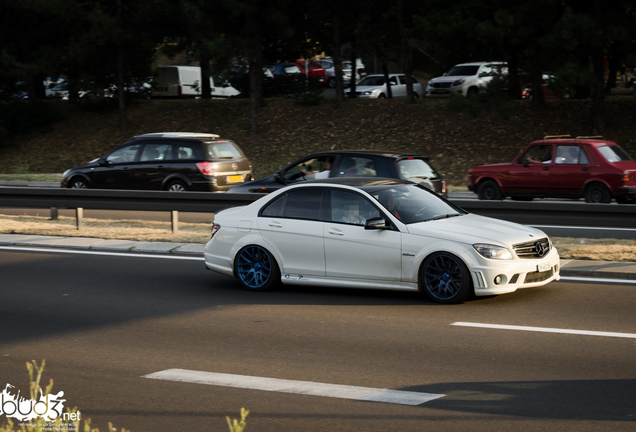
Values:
[(124, 155), (355, 166), (371, 81), (416, 169), (570, 155), (185, 152), (310, 169), (155, 152), (275, 208), (351, 208), (463, 70), (614, 154), (303, 204)]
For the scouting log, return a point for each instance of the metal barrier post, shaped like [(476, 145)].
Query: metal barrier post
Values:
[(53, 213), (174, 218), (79, 217)]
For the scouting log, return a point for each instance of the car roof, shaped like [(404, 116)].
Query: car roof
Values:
[(481, 63), (179, 135), (389, 154), (595, 142), (381, 75)]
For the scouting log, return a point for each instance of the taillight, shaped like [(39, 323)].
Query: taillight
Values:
[(444, 190), (625, 177), (206, 168), (215, 229)]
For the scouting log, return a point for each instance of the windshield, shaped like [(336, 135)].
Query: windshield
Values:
[(371, 81), (614, 154), (463, 71), (223, 150), (413, 203)]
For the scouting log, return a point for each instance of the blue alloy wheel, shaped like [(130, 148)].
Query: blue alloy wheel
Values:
[(445, 278), (256, 269)]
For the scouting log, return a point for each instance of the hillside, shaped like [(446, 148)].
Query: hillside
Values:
[(454, 142)]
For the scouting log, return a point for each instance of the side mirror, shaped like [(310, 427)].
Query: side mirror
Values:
[(378, 223), (279, 177), (104, 162)]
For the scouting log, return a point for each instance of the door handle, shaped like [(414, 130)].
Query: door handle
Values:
[(274, 224), (335, 232), (585, 169), (545, 168)]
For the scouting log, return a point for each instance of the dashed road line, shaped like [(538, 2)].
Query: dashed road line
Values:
[(367, 394)]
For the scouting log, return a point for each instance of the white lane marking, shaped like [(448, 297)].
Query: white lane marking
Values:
[(85, 252), (583, 228), (367, 394), (604, 280), (547, 330)]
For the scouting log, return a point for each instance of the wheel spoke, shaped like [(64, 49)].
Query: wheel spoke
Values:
[(254, 266)]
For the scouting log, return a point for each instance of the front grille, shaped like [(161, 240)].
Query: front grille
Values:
[(514, 278), (533, 277), (534, 249), (441, 85)]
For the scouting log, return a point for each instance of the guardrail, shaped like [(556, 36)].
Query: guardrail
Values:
[(539, 212)]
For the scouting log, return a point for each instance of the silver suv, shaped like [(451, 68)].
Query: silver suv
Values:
[(466, 78)]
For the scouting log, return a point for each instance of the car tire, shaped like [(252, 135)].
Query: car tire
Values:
[(331, 83), (489, 190), (381, 96), (597, 193), (177, 186), (472, 92), (444, 278), (256, 268), (77, 183)]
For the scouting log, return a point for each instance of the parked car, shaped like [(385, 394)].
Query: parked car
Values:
[(331, 73), (374, 87), (314, 70), (466, 79), (591, 168), (333, 164), (376, 233), (174, 161), (185, 82), (286, 77)]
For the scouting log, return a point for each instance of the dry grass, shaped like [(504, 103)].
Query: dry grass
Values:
[(569, 248)]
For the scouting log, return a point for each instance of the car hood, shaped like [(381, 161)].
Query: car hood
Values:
[(268, 182), (471, 229), (449, 78)]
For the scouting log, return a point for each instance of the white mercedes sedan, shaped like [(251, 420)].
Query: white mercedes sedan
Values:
[(380, 234)]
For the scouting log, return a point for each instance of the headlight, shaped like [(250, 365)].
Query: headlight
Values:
[(458, 82), (493, 252), (367, 92)]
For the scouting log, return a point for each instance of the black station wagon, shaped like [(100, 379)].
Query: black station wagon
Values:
[(173, 161), (343, 163)]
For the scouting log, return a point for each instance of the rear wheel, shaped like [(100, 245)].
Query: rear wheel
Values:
[(489, 190), (177, 186), (445, 278), (256, 268), (78, 183), (332, 82), (597, 193)]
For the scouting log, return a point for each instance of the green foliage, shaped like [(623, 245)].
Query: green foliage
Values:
[(235, 425), (21, 117)]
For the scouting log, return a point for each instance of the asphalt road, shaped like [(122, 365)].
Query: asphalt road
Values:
[(103, 322)]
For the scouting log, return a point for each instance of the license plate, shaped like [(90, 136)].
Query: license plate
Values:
[(543, 267), (234, 178)]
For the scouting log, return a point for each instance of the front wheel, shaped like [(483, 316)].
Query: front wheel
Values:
[(597, 193), (445, 278), (382, 96), (78, 183), (256, 268), (177, 186), (489, 190)]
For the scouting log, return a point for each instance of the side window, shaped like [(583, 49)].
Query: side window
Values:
[(537, 154), (570, 155), (354, 166), (155, 152), (486, 70), (124, 155), (309, 169), (393, 80), (275, 208), (402, 79), (303, 204), (218, 82), (185, 152), (351, 208)]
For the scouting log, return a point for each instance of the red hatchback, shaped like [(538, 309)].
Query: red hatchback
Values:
[(558, 167)]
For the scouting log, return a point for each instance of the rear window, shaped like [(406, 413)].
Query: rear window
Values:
[(614, 154), (222, 150), (416, 169)]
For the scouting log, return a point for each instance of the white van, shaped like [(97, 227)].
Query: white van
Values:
[(185, 82)]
